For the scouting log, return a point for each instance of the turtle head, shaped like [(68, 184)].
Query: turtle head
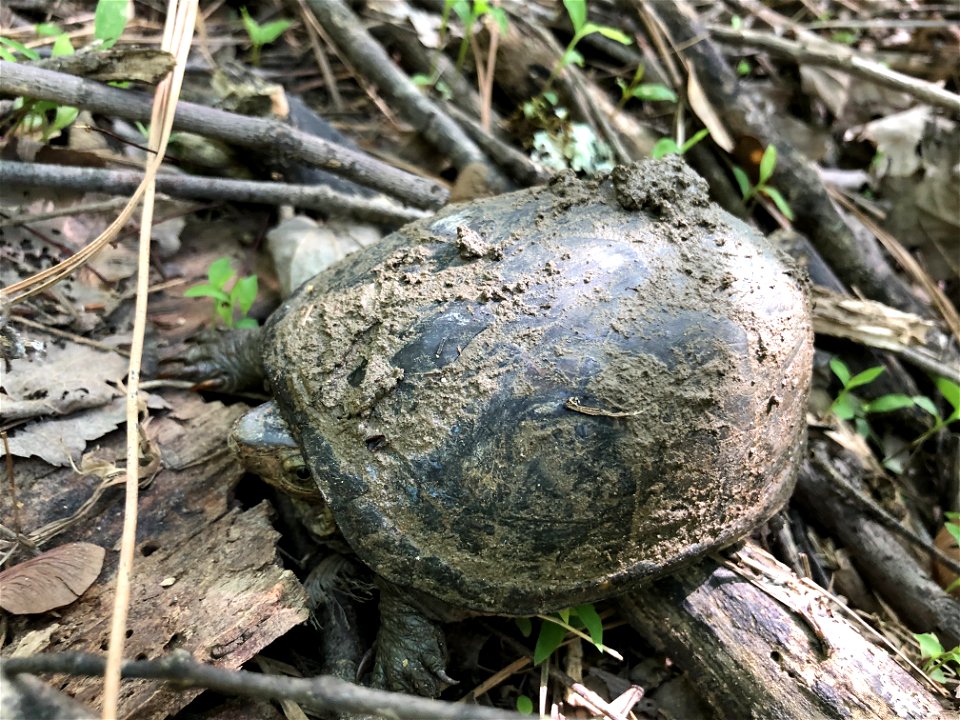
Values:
[(265, 446)]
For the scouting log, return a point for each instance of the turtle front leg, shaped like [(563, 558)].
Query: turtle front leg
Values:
[(411, 648), (221, 360)]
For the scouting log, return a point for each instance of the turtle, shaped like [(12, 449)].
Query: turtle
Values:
[(535, 400)]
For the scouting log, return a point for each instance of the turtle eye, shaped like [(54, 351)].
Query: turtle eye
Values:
[(297, 468)]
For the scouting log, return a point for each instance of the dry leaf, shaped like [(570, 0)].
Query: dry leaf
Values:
[(708, 116), (51, 580), (67, 379)]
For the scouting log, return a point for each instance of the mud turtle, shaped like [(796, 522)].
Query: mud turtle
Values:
[(539, 399)]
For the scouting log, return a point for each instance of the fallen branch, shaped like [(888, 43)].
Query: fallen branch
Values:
[(120, 182), (841, 58), (268, 136), (369, 57), (322, 693)]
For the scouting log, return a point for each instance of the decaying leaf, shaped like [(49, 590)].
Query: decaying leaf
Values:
[(67, 379), (708, 116), (51, 580)]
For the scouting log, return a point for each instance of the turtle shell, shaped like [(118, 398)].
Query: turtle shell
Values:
[(534, 400)]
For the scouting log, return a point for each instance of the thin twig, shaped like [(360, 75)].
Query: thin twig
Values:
[(842, 58), (311, 197), (268, 136), (321, 693)]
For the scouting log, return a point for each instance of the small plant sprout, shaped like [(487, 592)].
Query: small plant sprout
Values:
[(227, 303), (261, 35), (524, 705), (668, 146), (767, 165), (469, 11), (939, 664), (648, 92), (554, 628), (577, 11)]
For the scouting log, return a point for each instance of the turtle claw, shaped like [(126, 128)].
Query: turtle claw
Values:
[(411, 650), (219, 360)]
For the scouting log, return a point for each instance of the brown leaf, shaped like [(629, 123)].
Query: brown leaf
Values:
[(51, 580)]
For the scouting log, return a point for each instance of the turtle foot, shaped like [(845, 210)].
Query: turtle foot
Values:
[(411, 649)]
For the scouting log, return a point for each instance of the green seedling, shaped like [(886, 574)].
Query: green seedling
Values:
[(668, 146), (577, 11), (524, 705), (938, 663), (554, 628), (648, 92), (767, 165), (469, 11), (261, 35), (46, 117), (228, 303), (744, 68)]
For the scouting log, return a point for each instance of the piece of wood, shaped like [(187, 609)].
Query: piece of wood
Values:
[(773, 645), (206, 577)]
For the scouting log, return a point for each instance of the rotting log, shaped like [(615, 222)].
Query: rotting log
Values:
[(759, 642)]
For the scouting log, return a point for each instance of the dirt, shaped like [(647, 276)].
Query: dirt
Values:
[(429, 380)]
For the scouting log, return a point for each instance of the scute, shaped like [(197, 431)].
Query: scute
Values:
[(617, 387)]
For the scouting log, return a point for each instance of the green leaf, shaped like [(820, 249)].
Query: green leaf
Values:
[(743, 181), (571, 57), (926, 404), (7, 55), (863, 427), (782, 205), (591, 620), (930, 646), (950, 391), (220, 272), (48, 29), (564, 615), (550, 638), (613, 34), (266, 34), (243, 294), (525, 625), (845, 406), (19, 47), (744, 68), (421, 80), (464, 11), (62, 46), (225, 313), (954, 531), (524, 705), (953, 586), (206, 291), (500, 16), (736, 22), (577, 10), (654, 92), (864, 378), (767, 164), (551, 97), (109, 20), (247, 322), (841, 370), (697, 137), (888, 403), (63, 117), (664, 146)]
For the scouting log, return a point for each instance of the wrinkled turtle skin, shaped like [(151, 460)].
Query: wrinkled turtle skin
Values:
[(539, 399), (534, 400)]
